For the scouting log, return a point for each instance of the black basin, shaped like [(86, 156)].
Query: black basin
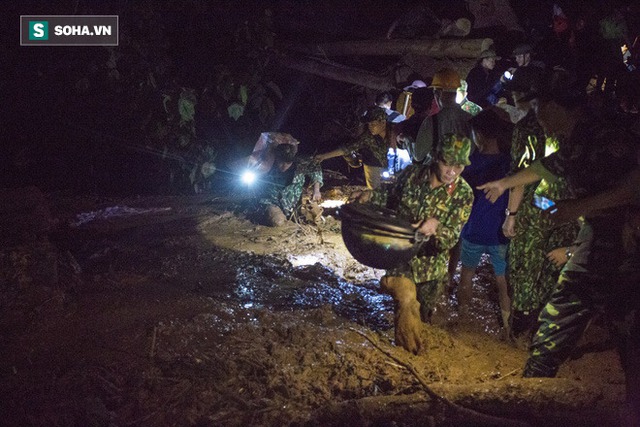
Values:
[(376, 236)]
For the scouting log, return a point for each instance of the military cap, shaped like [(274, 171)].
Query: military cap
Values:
[(454, 149)]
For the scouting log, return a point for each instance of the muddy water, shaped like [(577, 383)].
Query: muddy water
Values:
[(190, 263), (272, 282), (484, 309)]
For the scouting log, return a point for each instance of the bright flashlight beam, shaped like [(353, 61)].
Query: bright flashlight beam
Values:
[(332, 203), (248, 177)]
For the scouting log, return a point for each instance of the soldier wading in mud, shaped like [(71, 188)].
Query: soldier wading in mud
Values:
[(439, 203)]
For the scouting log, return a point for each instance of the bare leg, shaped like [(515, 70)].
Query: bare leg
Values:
[(465, 291), (505, 304), (275, 216), (454, 258), (406, 312)]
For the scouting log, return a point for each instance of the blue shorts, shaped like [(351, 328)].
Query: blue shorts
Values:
[(471, 253)]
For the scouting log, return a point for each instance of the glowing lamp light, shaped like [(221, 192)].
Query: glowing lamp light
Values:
[(332, 203), (297, 261), (248, 177)]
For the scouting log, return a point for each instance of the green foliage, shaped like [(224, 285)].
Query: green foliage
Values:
[(187, 105), (231, 85), (235, 110), (242, 94)]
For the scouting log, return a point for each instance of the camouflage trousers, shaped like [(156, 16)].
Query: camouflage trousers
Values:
[(428, 294), (578, 297)]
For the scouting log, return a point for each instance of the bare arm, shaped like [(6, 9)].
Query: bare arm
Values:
[(316, 192), (495, 189), (329, 155), (623, 193)]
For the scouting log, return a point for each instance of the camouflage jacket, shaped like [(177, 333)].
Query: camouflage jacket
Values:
[(527, 145), (284, 189), (373, 149), (593, 160), (471, 107), (412, 197)]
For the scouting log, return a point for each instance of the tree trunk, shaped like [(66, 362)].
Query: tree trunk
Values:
[(338, 72), (516, 402), (439, 48)]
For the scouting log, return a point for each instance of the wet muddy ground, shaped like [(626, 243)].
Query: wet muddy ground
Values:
[(186, 313)]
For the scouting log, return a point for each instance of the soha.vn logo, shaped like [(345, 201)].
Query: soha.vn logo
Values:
[(38, 30)]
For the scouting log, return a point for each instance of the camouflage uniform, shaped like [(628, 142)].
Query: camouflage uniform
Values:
[(373, 149), (412, 197), (531, 275), (471, 107), (284, 189), (602, 274)]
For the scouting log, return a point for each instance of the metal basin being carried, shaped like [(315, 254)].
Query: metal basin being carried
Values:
[(377, 237)]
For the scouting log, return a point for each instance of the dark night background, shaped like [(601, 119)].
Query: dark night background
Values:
[(91, 119), (97, 119)]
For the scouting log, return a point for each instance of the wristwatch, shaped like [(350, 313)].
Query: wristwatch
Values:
[(507, 212), (568, 253)]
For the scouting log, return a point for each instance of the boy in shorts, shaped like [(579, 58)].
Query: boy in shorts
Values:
[(482, 234)]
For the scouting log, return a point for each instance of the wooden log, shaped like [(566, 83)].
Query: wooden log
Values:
[(510, 403), (437, 48), (421, 65), (516, 402), (334, 71)]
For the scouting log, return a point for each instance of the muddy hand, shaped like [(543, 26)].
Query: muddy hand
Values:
[(509, 227), (407, 312), (558, 257), (428, 227)]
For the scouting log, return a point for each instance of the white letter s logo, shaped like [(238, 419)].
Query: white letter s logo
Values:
[(38, 30)]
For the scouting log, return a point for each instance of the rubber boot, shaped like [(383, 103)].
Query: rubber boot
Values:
[(538, 369), (428, 294)]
